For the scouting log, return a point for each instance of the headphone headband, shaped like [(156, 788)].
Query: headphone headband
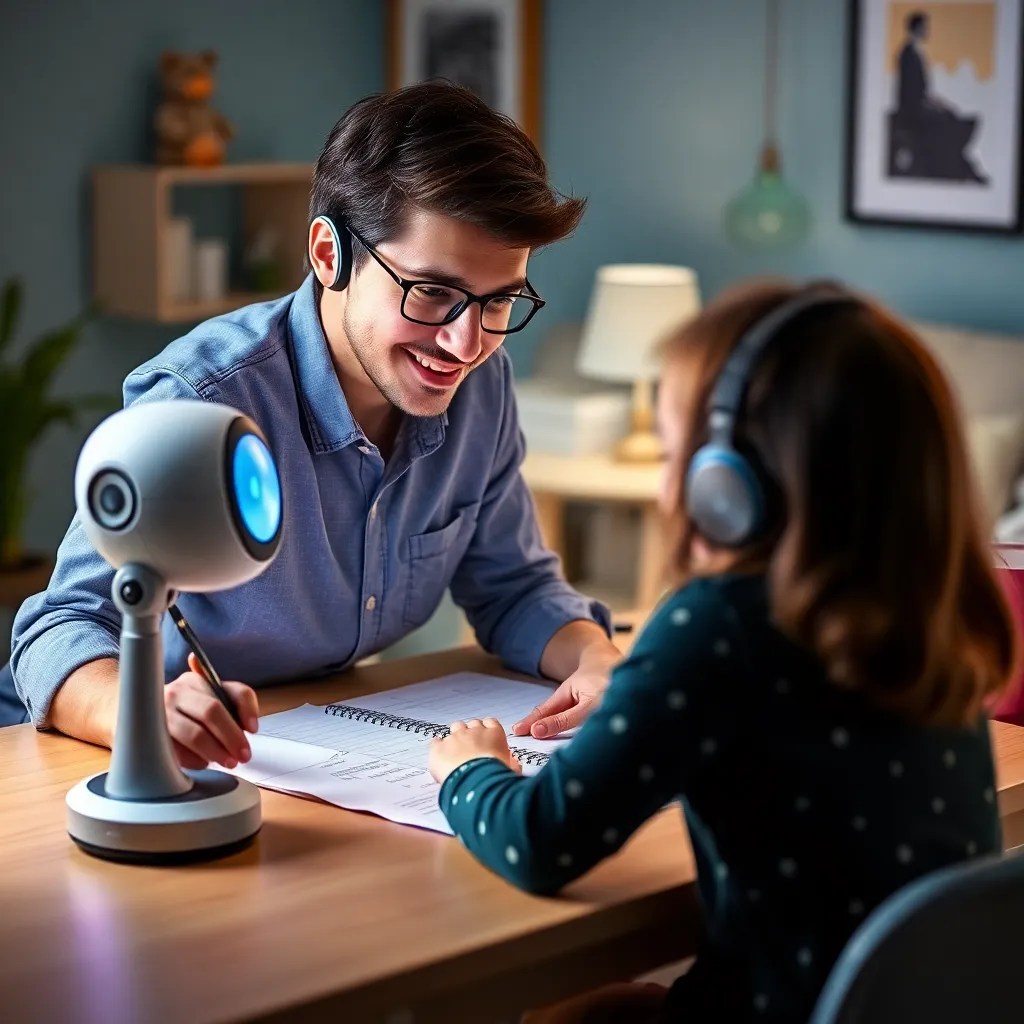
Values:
[(726, 492), (731, 386)]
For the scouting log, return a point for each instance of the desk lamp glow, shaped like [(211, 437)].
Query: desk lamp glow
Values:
[(180, 495), (632, 307)]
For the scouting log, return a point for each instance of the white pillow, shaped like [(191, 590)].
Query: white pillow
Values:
[(996, 446)]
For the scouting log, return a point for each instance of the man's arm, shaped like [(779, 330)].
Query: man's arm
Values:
[(512, 589), (86, 705), (581, 657)]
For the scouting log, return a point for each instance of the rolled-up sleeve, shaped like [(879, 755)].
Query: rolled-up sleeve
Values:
[(508, 583), (75, 621)]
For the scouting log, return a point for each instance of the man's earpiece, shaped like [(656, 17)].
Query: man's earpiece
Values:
[(343, 251)]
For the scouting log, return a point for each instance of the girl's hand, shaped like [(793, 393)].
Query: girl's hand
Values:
[(469, 740)]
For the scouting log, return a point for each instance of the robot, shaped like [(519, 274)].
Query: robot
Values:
[(176, 495)]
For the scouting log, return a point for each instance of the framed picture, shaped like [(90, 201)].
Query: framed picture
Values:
[(489, 46), (934, 113)]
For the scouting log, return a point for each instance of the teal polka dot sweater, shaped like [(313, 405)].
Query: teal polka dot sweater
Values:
[(805, 805)]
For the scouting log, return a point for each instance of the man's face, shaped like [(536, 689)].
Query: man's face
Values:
[(921, 31), (415, 367)]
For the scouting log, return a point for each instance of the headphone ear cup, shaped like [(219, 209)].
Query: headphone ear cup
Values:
[(343, 248), (724, 497)]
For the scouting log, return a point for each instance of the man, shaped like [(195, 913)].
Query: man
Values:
[(913, 92), (928, 135), (387, 399)]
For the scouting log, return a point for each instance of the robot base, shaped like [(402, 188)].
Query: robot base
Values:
[(218, 816)]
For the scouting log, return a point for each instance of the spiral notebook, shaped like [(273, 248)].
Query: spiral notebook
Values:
[(370, 753)]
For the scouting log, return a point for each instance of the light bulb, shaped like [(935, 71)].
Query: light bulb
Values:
[(768, 213)]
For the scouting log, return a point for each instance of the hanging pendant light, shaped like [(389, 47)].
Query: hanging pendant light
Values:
[(769, 213)]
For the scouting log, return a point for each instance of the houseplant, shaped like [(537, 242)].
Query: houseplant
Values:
[(27, 410)]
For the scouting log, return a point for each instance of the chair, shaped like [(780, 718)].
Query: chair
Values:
[(947, 948), (12, 711)]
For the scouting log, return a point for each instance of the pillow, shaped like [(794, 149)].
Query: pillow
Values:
[(995, 445)]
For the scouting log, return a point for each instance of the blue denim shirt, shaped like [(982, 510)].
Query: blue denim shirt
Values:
[(368, 546)]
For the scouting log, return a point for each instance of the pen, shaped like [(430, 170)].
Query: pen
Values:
[(623, 627), (207, 666)]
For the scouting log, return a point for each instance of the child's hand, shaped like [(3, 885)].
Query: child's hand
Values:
[(469, 740)]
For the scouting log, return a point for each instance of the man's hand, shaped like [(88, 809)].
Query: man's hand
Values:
[(469, 740), (201, 728), (581, 655)]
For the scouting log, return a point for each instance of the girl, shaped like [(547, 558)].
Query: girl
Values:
[(812, 691)]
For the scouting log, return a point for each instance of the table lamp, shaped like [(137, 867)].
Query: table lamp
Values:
[(632, 308)]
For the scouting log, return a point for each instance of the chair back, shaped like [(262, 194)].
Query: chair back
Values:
[(947, 949)]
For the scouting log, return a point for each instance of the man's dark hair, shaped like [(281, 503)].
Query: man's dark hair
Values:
[(915, 21), (437, 147)]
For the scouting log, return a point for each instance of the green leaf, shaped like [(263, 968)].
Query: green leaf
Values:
[(27, 410), (45, 357), (10, 304)]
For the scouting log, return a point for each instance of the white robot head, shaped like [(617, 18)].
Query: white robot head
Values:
[(188, 489)]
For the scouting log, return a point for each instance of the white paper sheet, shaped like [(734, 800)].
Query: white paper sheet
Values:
[(381, 769)]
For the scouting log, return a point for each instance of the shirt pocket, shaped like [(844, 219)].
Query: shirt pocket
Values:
[(433, 558)]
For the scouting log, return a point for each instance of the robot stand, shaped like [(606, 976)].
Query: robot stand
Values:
[(146, 809)]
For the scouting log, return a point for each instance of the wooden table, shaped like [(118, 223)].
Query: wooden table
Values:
[(332, 915), (556, 479)]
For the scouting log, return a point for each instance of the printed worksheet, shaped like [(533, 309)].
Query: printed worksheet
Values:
[(370, 753)]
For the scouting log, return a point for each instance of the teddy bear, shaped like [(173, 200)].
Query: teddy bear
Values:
[(188, 131)]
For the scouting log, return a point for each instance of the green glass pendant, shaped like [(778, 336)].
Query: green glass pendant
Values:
[(769, 213)]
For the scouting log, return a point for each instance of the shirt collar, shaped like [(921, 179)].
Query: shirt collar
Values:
[(330, 421)]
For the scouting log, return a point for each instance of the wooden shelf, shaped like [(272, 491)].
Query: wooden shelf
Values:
[(188, 311), (132, 209)]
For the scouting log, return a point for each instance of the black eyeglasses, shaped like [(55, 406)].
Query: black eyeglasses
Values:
[(434, 304)]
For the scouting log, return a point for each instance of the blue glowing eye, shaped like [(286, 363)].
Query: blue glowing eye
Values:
[(257, 488)]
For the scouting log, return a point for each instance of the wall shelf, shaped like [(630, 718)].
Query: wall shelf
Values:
[(132, 207)]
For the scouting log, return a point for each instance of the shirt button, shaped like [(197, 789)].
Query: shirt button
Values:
[(364, 449), (371, 603)]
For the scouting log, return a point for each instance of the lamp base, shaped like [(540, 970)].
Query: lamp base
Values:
[(643, 446)]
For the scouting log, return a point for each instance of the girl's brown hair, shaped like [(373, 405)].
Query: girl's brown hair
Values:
[(876, 557)]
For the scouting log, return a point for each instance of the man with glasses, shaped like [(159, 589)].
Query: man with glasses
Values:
[(386, 396)]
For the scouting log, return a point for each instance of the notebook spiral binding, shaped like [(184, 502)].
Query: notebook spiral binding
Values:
[(429, 729)]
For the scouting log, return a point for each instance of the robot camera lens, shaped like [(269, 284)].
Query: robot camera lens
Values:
[(257, 488), (111, 500)]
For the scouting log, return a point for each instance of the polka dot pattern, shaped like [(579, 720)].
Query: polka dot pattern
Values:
[(893, 803)]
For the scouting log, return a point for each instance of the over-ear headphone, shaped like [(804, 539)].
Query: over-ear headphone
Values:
[(726, 497), (343, 248)]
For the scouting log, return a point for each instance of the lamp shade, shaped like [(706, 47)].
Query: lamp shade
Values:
[(632, 308)]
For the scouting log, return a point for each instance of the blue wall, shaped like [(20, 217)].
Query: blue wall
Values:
[(79, 84), (653, 110)]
